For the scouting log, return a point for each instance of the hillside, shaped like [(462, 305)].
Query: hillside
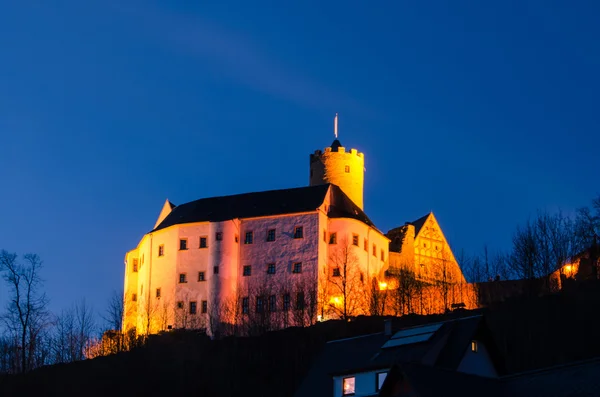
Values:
[(531, 333)]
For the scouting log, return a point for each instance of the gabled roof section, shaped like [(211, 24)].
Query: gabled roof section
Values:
[(419, 223), (440, 344), (342, 207), (166, 210), (247, 205), (268, 203), (415, 379)]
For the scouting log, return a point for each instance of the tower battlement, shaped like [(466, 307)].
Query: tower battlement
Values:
[(340, 167)]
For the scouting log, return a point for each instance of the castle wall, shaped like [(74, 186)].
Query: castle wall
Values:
[(330, 167), (283, 252)]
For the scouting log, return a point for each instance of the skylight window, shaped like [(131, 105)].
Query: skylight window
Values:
[(412, 335)]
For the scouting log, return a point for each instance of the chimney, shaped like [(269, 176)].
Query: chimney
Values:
[(387, 327)]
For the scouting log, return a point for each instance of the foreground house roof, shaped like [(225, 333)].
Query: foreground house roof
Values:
[(579, 379), (267, 203), (440, 344)]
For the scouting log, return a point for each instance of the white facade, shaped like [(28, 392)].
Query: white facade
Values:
[(366, 383), (476, 361), (224, 272)]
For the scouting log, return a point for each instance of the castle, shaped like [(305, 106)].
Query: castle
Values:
[(277, 258)]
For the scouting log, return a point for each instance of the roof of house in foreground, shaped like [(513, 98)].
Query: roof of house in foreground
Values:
[(579, 379), (267, 203), (443, 344)]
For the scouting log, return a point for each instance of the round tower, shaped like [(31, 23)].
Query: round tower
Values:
[(345, 169)]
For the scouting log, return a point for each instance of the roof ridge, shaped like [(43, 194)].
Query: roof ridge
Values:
[(258, 192), (354, 337), (552, 368)]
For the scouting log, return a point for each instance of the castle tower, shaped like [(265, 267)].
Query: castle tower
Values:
[(345, 169)]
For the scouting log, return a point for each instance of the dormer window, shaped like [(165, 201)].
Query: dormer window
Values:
[(348, 386)]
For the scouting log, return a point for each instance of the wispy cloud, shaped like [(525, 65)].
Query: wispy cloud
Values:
[(240, 58)]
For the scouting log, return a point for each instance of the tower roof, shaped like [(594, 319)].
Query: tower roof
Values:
[(335, 145)]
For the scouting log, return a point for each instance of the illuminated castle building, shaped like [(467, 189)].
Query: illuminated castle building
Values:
[(274, 258)]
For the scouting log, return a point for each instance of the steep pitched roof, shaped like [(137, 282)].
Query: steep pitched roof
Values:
[(271, 202), (414, 379), (446, 348), (418, 224), (579, 379), (337, 357)]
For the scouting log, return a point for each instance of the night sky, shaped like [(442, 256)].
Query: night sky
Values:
[(481, 112)]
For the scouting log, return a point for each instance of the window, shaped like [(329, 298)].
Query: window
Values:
[(300, 301), (182, 278), (135, 265), (286, 302), (355, 239), (161, 250), (201, 276), (203, 242), (216, 270), (324, 236), (348, 386), (272, 303), (204, 306), (271, 268), (298, 232), (362, 277), (332, 238), (193, 307), (183, 244), (180, 305), (247, 270), (297, 267), (134, 297), (271, 235), (366, 244), (374, 250), (474, 346), (249, 238), (336, 272), (237, 239), (245, 305), (260, 304), (158, 292), (219, 236), (380, 379), (347, 169), (382, 255)]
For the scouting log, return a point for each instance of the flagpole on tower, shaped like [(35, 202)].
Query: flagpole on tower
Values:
[(335, 126)]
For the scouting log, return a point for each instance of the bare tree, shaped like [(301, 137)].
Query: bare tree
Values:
[(347, 283), (407, 289), (26, 314), (113, 314)]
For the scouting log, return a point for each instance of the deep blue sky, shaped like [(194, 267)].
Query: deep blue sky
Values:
[(478, 111)]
